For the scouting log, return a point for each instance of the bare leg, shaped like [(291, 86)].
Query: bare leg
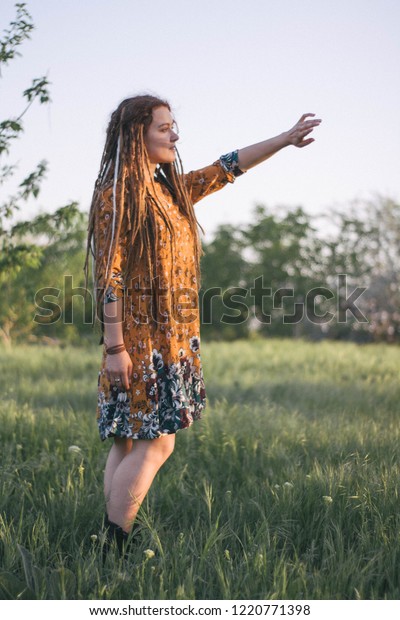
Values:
[(120, 448), (133, 477)]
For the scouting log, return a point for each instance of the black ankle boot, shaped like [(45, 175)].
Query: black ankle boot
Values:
[(115, 532)]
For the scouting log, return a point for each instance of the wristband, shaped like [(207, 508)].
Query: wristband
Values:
[(118, 348)]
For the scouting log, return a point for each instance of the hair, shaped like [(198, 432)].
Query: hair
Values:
[(124, 164)]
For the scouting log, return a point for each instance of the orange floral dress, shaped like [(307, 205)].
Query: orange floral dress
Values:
[(167, 391)]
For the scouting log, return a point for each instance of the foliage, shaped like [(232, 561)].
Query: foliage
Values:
[(18, 255), (365, 246), (306, 275), (27, 248), (223, 273), (41, 299), (274, 262)]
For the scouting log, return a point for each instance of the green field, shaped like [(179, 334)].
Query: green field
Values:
[(286, 489)]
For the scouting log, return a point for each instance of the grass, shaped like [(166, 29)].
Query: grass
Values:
[(286, 489)]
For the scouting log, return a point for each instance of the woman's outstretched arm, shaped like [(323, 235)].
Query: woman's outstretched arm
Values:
[(256, 153)]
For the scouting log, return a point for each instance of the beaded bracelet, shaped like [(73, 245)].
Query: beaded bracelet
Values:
[(118, 348)]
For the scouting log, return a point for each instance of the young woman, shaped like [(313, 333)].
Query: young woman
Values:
[(146, 249)]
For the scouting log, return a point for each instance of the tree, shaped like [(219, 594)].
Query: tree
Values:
[(223, 267), (286, 264), (246, 269), (366, 246), (23, 245)]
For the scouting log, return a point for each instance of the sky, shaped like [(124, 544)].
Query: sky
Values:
[(235, 73)]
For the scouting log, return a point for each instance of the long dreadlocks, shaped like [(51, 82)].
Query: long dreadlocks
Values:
[(123, 169)]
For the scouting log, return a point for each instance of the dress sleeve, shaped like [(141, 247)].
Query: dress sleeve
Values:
[(104, 223), (201, 183)]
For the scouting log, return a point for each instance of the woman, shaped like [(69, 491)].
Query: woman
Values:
[(146, 249)]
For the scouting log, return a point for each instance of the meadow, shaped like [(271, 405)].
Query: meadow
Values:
[(286, 489)]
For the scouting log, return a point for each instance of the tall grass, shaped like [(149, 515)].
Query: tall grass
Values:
[(287, 488)]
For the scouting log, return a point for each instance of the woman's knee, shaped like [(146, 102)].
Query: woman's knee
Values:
[(164, 446), (169, 444), (155, 450)]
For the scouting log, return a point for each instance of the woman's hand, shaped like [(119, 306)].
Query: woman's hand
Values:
[(119, 369), (254, 154), (302, 129)]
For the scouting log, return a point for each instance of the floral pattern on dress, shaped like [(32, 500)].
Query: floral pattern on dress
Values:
[(117, 283), (167, 391), (114, 418)]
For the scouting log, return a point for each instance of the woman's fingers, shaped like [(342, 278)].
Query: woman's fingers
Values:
[(118, 370), (115, 379), (122, 378), (305, 142), (125, 380), (305, 133), (119, 381), (301, 142), (304, 116), (309, 124), (303, 123), (303, 128)]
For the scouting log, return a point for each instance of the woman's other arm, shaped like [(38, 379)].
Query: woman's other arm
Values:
[(113, 333)]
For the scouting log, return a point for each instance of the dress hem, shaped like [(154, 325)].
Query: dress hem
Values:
[(111, 435)]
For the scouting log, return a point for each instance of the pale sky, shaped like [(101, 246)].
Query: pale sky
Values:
[(235, 74)]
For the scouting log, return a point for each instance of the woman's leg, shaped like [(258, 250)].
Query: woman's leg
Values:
[(120, 448), (133, 477)]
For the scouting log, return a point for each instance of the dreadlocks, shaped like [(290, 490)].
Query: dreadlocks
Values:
[(123, 168)]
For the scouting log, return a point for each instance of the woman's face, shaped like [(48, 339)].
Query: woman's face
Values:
[(161, 136)]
